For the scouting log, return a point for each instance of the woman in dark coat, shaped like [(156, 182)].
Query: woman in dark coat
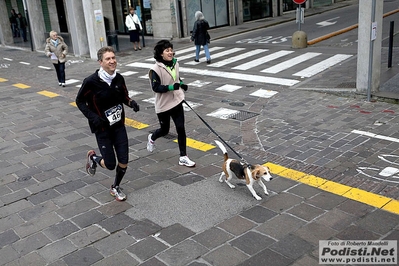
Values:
[(200, 36)]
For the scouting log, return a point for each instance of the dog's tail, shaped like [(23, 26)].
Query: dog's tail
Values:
[(223, 148)]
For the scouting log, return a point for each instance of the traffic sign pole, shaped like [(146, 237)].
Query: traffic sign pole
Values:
[(299, 38)]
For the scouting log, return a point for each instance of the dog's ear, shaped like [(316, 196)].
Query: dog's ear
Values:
[(255, 172)]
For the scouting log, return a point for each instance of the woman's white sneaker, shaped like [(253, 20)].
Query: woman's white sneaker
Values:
[(150, 144), (184, 160)]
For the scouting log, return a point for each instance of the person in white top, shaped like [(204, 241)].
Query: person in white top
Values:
[(133, 24)]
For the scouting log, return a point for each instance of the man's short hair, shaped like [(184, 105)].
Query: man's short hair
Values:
[(104, 50)]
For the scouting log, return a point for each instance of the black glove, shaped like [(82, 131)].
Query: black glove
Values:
[(134, 106), (175, 87), (184, 87), (99, 122)]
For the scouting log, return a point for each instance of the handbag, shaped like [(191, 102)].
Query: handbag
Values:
[(137, 26), (208, 37)]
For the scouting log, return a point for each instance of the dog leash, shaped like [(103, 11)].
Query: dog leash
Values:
[(206, 124)]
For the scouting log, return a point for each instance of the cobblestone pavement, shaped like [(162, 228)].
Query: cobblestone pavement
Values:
[(321, 147)]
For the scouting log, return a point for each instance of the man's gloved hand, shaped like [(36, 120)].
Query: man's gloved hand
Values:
[(134, 106), (183, 86), (99, 122), (175, 87)]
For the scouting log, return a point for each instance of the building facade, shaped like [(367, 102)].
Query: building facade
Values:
[(85, 25)]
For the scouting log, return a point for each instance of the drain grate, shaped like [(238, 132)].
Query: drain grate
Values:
[(242, 115), (236, 104)]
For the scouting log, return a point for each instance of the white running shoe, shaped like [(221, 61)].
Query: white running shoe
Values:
[(184, 160), (117, 193), (150, 144)]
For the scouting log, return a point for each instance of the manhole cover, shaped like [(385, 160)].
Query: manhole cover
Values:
[(237, 104), (243, 115)]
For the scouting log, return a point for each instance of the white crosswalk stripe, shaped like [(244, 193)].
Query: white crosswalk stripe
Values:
[(321, 66), (281, 61), (289, 63), (217, 55), (233, 59), (227, 75), (262, 60), (192, 55)]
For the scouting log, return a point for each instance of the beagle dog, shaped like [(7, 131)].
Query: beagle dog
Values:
[(250, 173)]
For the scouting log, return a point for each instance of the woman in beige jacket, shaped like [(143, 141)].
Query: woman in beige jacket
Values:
[(169, 96), (57, 50)]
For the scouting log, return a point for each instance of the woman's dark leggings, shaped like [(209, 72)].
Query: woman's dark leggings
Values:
[(177, 115)]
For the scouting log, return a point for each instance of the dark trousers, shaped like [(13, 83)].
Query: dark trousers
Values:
[(177, 115), (111, 141), (23, 33), (15, 30), (60, 69)]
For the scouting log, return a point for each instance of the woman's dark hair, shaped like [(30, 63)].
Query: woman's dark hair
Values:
[(160, 47)]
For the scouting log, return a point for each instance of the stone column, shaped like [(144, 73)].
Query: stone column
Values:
[(94, 20), (77, 27), (369, 60), (36, 21), (5, 26)]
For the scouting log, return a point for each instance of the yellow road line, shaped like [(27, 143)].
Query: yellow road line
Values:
[(73, 104), (198, 145), (3, 80), (48, 94), (21, 86), (357, 194), (135, 124)]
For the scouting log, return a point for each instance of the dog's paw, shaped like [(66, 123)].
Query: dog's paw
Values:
[(258, 198), (267, 193)]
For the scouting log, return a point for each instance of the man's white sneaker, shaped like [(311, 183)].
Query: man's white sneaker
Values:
[(184, 160), (150, 144), (117, 193)]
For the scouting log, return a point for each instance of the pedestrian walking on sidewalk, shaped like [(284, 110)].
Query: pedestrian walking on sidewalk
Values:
[(201, 37), (133, 24), (57, 50), (169, 96), (13, 22), (22, 24), (100, 99)]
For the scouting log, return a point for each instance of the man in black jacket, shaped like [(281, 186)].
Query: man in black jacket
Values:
[(22, 24), (13, 21), (101, 100)]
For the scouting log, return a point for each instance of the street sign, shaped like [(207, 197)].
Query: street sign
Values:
[(299, 2)]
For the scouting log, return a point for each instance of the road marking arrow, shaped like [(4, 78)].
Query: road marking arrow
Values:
[(327, 22)]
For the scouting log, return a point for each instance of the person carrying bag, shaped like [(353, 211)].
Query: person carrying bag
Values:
[(133, 24), (201, 37)]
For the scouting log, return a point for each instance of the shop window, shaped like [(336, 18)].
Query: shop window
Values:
[(256, 9), (289, 5)]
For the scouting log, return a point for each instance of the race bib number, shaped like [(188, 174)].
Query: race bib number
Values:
[(114, 114)]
